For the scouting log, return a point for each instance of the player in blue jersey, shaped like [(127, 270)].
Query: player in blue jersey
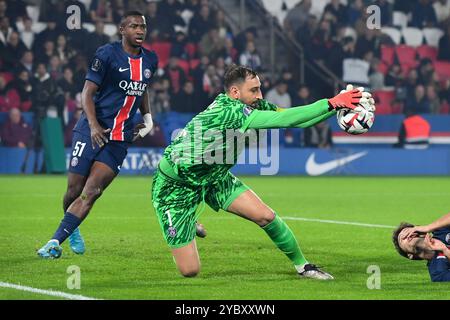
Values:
[(416, 243), (115, 87)]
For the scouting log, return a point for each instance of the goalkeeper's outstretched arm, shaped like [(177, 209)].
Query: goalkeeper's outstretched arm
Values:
[(301, 117)]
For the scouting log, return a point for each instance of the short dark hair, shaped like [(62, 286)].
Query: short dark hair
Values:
[(395, 234), (237, 75), (127, 14)]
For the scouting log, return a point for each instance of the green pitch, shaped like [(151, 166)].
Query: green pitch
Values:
[(126, 256)]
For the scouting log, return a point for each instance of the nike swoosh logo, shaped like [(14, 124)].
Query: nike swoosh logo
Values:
[(122, 70), (316, 169)]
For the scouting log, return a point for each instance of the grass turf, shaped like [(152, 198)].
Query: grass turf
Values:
[(127, 258)]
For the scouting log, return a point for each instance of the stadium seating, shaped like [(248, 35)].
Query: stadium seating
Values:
[(405, 54), (162, 49), (413, 36), (432, 36), (443, 69), (394, 33), (387, 54), (399, 19), (384, 100), (183, 64), (33, 13), (191, 49), (426, 51), (90, 27), (110, 29)]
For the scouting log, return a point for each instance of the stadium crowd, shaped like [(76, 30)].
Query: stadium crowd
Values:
[(42, 72)]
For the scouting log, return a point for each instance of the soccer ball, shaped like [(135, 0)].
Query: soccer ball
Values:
[(357, 121)]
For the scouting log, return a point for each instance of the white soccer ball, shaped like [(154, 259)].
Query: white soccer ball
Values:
[(357, 121)]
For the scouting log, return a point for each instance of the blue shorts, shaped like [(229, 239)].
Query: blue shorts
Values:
[(83, 156)]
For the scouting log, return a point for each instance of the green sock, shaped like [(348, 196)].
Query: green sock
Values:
[(285, 240)]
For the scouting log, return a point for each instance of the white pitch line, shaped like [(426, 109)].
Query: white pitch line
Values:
[(45, 292), (341, 222)]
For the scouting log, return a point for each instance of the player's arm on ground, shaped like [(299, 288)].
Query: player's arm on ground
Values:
[(142, 129), (442, 222), (98, 134)]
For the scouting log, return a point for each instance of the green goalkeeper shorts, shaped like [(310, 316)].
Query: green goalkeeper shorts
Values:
[(176, 204)]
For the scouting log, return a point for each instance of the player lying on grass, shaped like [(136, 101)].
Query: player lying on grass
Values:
[(416, 243), (186, 177), (115, 87)]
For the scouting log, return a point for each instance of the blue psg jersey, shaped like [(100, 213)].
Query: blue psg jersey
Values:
[(439, 266), (122, 80)]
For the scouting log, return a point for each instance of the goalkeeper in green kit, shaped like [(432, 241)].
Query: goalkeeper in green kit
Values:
[(186, 178)]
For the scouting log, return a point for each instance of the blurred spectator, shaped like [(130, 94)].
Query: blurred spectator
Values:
[(426, 71), (175, 74), (222, 26), (3, 8), (27, 34), (13, 50), (157, 25), (445, 92), (5, 31), (171, 11), (385, 11), (49, 51), (199, 72), (296, 17), (433, 98), (64, 53), (417, 103), (55, 68), (337, 10), (159, 97), (405, 6), (26, 62), (211, 83), (230, 53), (15, 132), (321, 43), (68, 131), (355, 11), (220, 67), (48, 34), (288, 77), (305, 34), (250, 57), (46, 93), (200, 24), (9, 98), (186, 101), (119, 10), (394, 77), (376, 78), (96, 39), (16, 10), (79, 72), (67, 84), (318, 136), (22, 84), (366, 43), (302, 97), (423, 15), (414, 132), (179, 46), (246, 36), (442, 10), (338, 53), (101, 10), (444, 46), (212, 45), (279, 95)]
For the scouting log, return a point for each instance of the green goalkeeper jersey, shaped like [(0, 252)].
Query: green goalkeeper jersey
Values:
[(211, 142)]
